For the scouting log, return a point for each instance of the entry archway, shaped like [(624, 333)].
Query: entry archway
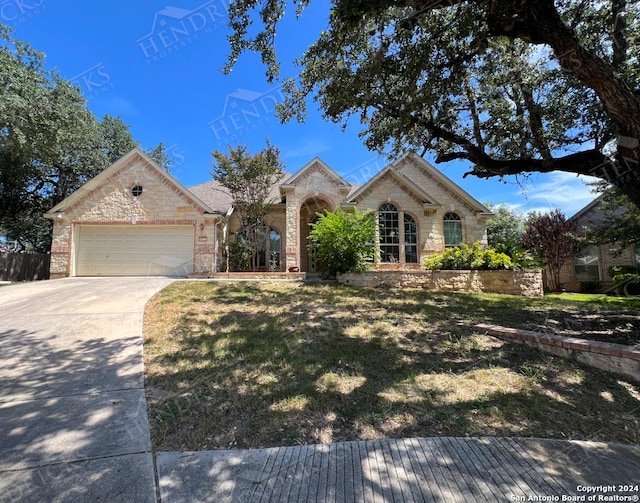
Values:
[(309, 210)]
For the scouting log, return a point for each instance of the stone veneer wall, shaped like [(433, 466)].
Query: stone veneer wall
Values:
[(526, 283)]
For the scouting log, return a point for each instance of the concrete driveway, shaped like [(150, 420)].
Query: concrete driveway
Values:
[(73, 416)]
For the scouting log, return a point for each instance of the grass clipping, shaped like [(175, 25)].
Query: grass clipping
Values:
[(249, 365)]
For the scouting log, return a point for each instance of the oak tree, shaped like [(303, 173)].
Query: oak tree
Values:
[(510, 86), (50, 143)]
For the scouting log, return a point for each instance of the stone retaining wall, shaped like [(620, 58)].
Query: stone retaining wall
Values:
[(616, 358), (526, 283)]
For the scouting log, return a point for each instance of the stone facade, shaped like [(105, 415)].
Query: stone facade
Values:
[(417, 191), (313, 189), (420, 191), (525, 283)]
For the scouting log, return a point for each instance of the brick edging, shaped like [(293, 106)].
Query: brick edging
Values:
[(585, 345)]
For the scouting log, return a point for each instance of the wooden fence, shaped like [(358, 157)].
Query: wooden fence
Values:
[(24, 266)]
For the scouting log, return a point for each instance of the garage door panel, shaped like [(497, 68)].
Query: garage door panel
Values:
[(134, 250)]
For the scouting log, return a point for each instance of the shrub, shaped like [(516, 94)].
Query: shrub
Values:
[(239, 255), (590, 286), (616, 270), (343, 242), (469, 257), (627, 284)]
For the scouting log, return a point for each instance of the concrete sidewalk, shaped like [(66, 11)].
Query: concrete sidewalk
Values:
[(407, 470), (73, 416)]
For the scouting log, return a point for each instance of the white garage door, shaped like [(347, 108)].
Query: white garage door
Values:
[(132, 250)]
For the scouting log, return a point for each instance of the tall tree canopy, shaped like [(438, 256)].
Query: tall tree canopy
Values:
[(50, 143), (511, 86)]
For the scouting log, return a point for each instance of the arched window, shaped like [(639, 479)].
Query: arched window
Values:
[(410, 240), (452, 229), (586, 264), (389, 227)]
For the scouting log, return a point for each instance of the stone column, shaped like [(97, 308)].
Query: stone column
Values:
[(292, 250)]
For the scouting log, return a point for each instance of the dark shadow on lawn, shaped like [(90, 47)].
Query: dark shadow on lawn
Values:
[(301, 376)]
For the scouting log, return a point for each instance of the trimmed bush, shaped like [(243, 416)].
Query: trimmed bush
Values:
[(627, 284), (616, 270), (590, 286), (465, 257)]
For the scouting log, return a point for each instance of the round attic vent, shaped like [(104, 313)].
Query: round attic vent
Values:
[(136, 190)]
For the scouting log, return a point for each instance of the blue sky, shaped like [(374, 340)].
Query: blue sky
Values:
[(157, 66)]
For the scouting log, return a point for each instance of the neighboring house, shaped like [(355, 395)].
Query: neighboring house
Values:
[(134, 218), (592, 261)]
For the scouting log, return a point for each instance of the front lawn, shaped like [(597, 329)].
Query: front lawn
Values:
[(248, 364)]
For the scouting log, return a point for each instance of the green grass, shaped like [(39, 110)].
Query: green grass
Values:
[(244, 365)]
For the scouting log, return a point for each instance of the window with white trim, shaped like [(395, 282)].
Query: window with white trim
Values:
[(410, 240), (586, 266), (389, 228), (452, 229)]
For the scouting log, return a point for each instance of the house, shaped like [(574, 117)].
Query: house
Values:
[(593, 261), (134, 218)]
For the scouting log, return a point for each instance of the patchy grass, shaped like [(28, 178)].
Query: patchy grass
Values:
[(245, 365)]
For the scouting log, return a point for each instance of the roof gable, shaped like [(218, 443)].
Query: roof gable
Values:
[(316, 165), (588, 209), (121, 164), (443, 181), (389, 173)]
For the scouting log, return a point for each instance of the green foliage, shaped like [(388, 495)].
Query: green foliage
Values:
[(505, 233), (535, 86), (249, 179), (627, 283), (160, 155), (466, 257), (343, 242), (620, 222), (115, 138), (616, 270), (505, 228), (590, 286), (50, 143), (553, 239), (239, 255)]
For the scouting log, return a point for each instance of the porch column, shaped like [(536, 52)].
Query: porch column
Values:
[(292, 251)]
